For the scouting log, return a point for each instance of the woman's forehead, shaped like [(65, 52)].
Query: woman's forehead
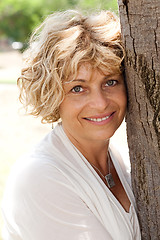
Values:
[(88, 67), (86, 71)]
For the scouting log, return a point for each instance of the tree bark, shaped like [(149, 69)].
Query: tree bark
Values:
[(140, 23)]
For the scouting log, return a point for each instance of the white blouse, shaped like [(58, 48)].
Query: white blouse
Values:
[(55, 194)]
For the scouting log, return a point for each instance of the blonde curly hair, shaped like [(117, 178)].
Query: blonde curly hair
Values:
[(57, 48)]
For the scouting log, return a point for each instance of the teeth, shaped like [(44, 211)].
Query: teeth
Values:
[(98, 119)]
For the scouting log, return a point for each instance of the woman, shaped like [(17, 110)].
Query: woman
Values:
[(74, 185)]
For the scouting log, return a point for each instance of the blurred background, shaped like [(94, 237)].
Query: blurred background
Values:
[(18, 18)]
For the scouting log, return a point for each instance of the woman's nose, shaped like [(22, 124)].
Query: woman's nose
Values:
[(99, 100)]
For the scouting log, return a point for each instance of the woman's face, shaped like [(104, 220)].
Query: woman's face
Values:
[(94, 105)]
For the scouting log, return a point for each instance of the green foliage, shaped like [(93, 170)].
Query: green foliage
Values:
[(98, 4), (18, 18)]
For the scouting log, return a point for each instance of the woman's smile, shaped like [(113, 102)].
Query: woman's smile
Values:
[(100, 120)]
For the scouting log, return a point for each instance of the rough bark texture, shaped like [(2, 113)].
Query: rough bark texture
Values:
[(140, 21)]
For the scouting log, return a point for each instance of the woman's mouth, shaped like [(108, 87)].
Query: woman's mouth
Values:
[(99, 119)]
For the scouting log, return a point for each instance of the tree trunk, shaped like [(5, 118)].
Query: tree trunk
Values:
[(140, 22)]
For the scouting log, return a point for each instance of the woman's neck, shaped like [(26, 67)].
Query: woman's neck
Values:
[(94, 151)]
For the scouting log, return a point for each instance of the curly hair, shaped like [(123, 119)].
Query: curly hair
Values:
[(57, 48)]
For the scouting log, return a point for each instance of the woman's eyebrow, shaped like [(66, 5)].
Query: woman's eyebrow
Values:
[(109, 76), (113, 76), (75, 80), (78, 80)]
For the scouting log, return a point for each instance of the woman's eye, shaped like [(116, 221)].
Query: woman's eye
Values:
[(77, 89), (111, 83)]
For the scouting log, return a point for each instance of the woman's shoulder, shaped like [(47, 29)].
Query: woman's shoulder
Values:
[(29, 174), (31, 180), (41, 163)]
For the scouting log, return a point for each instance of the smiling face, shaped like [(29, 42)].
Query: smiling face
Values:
[(94, 105)]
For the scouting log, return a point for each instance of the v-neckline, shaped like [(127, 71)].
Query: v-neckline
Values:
[(117, 167)]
